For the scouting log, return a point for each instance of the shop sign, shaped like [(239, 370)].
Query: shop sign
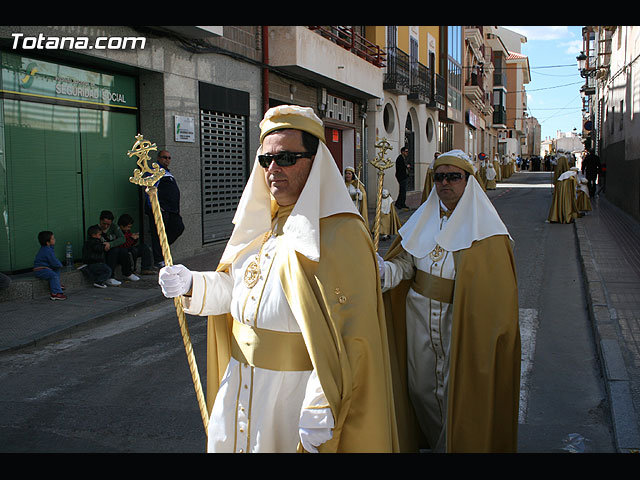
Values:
[(40, 79), (184, 129)]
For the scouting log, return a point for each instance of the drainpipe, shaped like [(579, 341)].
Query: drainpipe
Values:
[(265, 69)]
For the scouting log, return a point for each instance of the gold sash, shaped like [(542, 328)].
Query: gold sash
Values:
[(269, 349), (436, 288)]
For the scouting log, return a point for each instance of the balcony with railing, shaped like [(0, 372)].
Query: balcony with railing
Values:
[(440, 94), (420, 89), (350, 40), (474, 85), (398, 76)]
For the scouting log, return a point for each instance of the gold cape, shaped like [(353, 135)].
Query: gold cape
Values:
[(561, 166), (564, 205), (338, 305), (428, 185), (484, 376), (583, 201), (390, 223), (498, 168)]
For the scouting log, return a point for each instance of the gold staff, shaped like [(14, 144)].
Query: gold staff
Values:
[(381, 163), (146, 177)]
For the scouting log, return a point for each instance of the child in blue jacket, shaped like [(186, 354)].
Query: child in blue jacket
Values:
[(47, 267)]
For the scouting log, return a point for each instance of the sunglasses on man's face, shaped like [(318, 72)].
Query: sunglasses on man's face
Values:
[(282, 159), (452, 177)]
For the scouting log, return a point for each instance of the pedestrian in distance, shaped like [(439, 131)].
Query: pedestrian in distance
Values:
[(94, 255), (591, 169), (46, 265), (299, 275), (451, 302), (169, 200), (402, 176)]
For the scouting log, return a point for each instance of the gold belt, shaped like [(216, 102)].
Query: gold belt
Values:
[(433, 287), (269, 349)]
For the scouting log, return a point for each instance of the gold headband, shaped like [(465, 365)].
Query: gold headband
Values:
[(291, 116), (456, 161)]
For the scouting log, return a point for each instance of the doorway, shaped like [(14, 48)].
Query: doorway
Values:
[(64, 165)]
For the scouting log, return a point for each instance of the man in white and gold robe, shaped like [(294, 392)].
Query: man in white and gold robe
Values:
[(452, 302), (297, 354)]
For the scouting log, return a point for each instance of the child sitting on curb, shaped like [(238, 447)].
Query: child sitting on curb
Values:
[(135, 247), (47, 266), (93, 254)]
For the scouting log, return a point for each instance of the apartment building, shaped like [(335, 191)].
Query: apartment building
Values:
[(410, 111), (514, 67)]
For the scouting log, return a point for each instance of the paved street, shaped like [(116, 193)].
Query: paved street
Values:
[(563, 395), (123, 384)]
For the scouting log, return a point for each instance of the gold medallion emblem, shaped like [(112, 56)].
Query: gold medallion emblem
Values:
[(251, 274), (436, 254)]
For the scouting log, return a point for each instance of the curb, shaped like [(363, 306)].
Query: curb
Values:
[(605, 329), (63, 331)]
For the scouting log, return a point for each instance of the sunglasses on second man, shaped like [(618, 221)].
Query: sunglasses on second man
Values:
[(452, 177), (282, 159)]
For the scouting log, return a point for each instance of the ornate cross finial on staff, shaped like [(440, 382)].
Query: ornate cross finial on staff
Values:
[(144, 175), (381, 163), (148, 177)]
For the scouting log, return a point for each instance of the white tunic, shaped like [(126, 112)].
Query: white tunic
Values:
[(256, 410), (428, 342)]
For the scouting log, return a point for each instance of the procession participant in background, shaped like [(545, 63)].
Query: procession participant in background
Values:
[(389, 220), (490, 175), (498, 168), (357, 193), (561, 166), (428, 179), (564, 206), (298, 355), (451, 295)]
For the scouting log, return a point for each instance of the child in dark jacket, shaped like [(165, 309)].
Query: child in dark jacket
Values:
[(135, 247), (93, 254), (47, 266)]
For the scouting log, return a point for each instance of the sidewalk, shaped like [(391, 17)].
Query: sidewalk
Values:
[(28, 316), (609, 249)]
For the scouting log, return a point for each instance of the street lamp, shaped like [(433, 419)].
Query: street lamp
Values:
[(582, 63)]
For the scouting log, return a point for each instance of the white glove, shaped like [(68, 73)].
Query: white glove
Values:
[(380, 266), (312, 438), (359, 193), (175, 280)]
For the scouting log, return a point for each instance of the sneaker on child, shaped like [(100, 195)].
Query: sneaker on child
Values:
[(58, 296), (133, 277), (99, 285), (113, 281)]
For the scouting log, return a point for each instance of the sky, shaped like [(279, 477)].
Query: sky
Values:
[(553, 95)]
